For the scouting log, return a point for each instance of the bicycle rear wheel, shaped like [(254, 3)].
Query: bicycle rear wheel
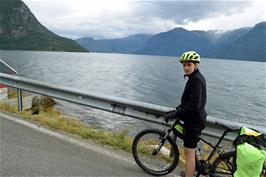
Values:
[(223, 166), (144, 148)]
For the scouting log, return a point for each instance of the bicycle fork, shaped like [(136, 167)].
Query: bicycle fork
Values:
[(162, 141)]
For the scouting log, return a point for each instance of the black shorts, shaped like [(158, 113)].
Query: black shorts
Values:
[(191, 136)]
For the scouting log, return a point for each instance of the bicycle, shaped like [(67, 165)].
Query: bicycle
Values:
[(157, 153)]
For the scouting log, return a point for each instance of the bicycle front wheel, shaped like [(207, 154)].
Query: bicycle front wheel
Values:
[(223, 166), (153, 155)]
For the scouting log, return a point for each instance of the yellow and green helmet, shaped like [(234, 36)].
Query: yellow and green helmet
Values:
[(190, 56)]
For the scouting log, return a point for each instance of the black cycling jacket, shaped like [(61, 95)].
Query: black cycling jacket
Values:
[(192, 107)]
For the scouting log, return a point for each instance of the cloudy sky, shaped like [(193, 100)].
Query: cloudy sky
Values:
[(120, 18)]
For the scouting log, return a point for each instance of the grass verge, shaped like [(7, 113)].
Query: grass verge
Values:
[(54, 120)]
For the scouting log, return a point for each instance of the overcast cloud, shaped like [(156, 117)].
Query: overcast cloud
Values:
[(119, 18)]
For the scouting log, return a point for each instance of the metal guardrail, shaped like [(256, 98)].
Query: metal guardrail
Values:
[(138, 110), (135, 109)]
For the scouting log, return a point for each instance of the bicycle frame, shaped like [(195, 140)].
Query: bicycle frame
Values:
[(215, 148), (203, 165)]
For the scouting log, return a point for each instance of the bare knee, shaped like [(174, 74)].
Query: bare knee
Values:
[(190, 153)]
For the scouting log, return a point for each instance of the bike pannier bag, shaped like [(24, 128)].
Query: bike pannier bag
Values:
[(250, 153)]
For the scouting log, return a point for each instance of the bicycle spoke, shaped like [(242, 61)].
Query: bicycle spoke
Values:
[(223, 167), (153, 156), (158, 161)]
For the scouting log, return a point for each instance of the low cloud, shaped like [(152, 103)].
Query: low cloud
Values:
[(122, 18)]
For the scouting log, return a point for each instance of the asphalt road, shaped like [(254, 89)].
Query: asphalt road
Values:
[(29, 150)]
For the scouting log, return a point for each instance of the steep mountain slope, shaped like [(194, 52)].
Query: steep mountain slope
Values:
[(251, 46), (20, 30)]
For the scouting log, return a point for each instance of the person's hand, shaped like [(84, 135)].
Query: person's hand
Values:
[(170, 115), (178, 108)]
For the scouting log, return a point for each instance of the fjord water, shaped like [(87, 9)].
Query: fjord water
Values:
[(236, 89)]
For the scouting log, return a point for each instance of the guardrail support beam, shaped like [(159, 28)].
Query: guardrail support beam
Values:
[(135, 109), (19, 97)]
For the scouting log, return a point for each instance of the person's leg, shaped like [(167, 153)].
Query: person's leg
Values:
[(191, 138), (190, 162)]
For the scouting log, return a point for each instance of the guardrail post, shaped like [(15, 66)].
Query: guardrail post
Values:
[(19, 96)]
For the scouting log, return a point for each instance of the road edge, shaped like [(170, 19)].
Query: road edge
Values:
[(87, 144)]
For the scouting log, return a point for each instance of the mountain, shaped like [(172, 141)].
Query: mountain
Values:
[(250, 46), (118, 45), (176, 41), (239, 44), (20, 30), (226, 37)]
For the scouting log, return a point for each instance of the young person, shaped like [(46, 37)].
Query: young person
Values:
[(192, 108)]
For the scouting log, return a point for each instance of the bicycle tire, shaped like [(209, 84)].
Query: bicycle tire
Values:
[(144, 144), (223, 166)]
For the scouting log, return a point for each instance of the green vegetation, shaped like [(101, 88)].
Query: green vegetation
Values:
[(20, 30), (54, 120), (40, 42), (12, 93)]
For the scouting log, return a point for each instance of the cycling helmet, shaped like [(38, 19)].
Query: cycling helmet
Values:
[(190, 56)]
